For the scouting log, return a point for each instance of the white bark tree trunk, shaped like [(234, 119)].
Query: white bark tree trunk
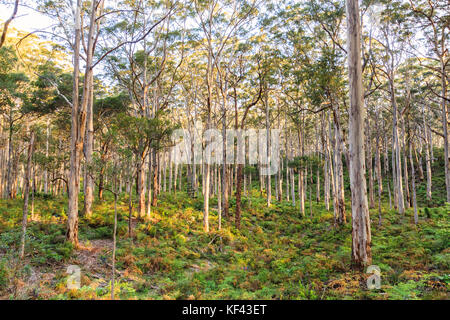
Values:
[(361, 233)]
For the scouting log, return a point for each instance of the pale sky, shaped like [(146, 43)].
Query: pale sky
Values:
[(26, 19)]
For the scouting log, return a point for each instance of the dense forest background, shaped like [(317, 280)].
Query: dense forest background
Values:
[(89, 175)]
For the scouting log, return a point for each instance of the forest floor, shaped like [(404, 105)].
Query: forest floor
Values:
[(277, 253)]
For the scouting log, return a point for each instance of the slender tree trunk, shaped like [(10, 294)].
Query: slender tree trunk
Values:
[(114, 247), (287, 181), (26, 194), (72, 221), (238, 195), (413, 183), (291, 173), (378, 169), (159, 157), (46, 156), (155, 165), (9, 174), (219, 201), (149, 184), (175, 176), (419, 162), (279, 175), (339, 172), (427, 159), (33, 189), (405, 168), (78, 126), (326, 184), (326, 176), (386, 158), (269, 182), (89, 144), (164, 168), (170, 171), (390, 196), (301, 192), (130, 207), (141, 189), (394, 178), (369, 166), (397, 152), (310, 203), (445, 126)]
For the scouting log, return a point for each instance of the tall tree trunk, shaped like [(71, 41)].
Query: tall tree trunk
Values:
[(89, 145), (164, 168), (9, 174), (155, 165), (26, 194), (405, 168), (339, 171), (427, 157), (219, 202), (238, 195), (78, 125), (72, 221), (114, 246), (326, 176), (149, 184), (46, 156), (445, 125), (397, 151), (268, 176), (141, 188), (170, 171), (418, 157), (301, 192), (291, 174), (332, 172), (130, 206), (413, 183), (369, 166), (378, 169), (361, 233), (33, 189)]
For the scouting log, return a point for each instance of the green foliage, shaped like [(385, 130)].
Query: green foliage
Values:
[(4, 275), (275, 255)]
